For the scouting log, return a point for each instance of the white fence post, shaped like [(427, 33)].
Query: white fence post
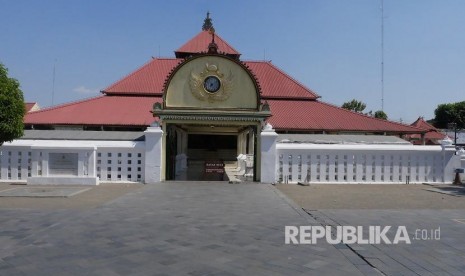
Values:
[(450, 160), (462, 163), (153, 150), (268, 154)]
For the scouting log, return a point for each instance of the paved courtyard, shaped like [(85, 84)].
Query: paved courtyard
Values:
[(422, 209), (168, 229), (211, 228), (376, 196)]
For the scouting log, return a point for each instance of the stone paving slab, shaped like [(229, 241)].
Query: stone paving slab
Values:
[(372, 196), (449, 190), (42, 192), (445, 256), (189, 228)]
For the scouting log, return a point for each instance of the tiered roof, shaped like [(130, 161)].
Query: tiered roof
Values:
[(200, 42), (294, 106), (147, 80), (432, 134), (98, 111), (302, 116)]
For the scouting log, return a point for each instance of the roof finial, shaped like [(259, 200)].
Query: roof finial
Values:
[(212, 47), (207, 23)]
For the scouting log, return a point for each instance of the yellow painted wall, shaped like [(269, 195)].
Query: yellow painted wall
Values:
[(235, 80)]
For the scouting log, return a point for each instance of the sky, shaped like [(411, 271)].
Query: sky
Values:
[(331, 46)]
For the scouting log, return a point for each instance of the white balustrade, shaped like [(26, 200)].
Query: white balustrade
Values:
[(339, 163)]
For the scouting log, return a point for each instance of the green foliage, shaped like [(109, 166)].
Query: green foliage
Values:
[(354, 105), (381, 115), (450, 113), (12, 107), (359, 107)]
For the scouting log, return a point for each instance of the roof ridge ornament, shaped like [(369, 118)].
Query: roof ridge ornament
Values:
[(207, 23), (208, 26), (212, 47)]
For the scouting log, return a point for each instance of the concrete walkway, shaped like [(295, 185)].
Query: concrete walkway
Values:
[(177, 228)]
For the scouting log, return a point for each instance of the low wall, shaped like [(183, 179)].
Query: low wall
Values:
[(339, 163), (85, 162)]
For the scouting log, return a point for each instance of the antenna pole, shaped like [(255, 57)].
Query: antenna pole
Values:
[(53, 82), (382, 55)]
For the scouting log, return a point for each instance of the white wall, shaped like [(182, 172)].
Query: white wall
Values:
[(316, 163), (28, 161), (140, 161)]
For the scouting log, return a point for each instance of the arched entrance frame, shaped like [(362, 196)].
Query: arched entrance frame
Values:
[(244, 124), (188, 103)]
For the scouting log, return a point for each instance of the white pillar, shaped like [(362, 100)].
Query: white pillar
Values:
[(268, 154), (153, 154), (462, 163), (92, 163), (451, 161), (44, 166)]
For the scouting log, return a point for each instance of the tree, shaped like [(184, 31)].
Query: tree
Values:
[(381, 115), (450, 113), (12, 107), (354, 105)]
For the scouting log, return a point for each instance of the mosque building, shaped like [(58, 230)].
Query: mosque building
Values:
[(211, 104)]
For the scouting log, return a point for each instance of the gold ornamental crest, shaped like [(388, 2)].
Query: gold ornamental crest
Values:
[(211, 84)]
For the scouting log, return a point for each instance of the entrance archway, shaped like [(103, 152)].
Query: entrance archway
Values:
[(192, 149), (209, 101)]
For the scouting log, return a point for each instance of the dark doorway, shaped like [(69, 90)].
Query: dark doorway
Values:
[(171, 152), (209, 147)]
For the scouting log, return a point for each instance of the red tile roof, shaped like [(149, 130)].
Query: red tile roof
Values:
[(319, 116), (29, 106), (149, 80), (421, 123), (102, 110), (431, 134), (293, 106), (200, 42), (276, 84)]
